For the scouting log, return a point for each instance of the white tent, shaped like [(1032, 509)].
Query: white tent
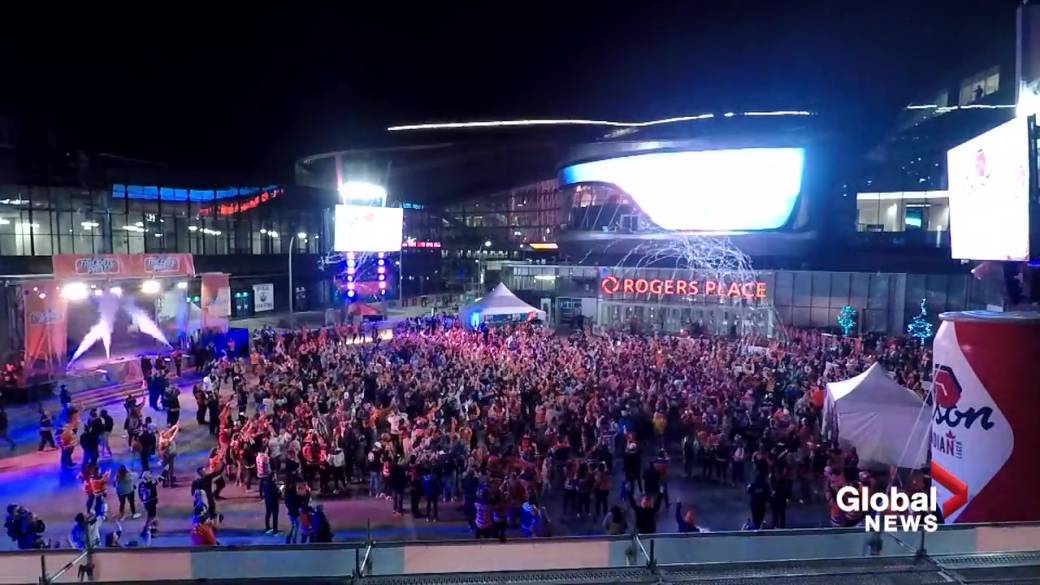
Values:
[(500, 301), (884, 421)]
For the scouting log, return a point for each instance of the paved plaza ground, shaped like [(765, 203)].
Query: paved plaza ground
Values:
[(35, 480)]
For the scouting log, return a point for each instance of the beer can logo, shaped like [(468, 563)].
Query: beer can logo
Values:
[(947, 388)]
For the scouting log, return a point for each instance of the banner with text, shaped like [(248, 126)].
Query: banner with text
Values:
[(263, 297), (216, 301), (612, 286), (122, 265), (45, 330)]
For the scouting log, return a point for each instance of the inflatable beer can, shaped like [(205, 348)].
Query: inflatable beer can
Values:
[(985, 439)]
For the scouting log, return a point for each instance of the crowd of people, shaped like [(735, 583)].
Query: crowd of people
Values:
[(504, 423)]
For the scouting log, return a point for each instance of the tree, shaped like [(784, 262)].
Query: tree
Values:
[(847, 320), (920, 327)]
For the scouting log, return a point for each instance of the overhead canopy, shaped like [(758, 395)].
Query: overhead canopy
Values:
[(500, 301), (884, 421)]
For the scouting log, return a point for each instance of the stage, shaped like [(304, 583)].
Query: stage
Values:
[(122, 368)]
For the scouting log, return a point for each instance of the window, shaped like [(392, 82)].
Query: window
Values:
[(903, 211), (980, 85)]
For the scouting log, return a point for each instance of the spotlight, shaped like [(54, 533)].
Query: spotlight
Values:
[(382, 262), (382, 284), (381, 255), (74, 291), (98, 292), (362, 192), (350, 286), (350, 270), (302, 235), (263, 231), (43, 295), (350, 293), (150, 287), (182, 285), (382, 277), (116, 290), (487, 243), (351, 256), (193, 228), (381, 270)]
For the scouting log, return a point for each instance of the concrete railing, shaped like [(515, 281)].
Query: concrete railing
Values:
[(346, 560)]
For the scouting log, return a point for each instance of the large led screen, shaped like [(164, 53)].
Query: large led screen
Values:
[(989, 194), (710, 190), (368, 229)]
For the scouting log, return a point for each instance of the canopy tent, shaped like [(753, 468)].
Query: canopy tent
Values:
[(499, 302), (884, 421)]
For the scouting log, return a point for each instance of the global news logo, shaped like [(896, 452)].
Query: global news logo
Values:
[(892, 511)]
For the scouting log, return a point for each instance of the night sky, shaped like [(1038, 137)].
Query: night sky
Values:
[(251, 91)]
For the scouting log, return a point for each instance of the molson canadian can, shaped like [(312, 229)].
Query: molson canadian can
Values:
[(985, 439)]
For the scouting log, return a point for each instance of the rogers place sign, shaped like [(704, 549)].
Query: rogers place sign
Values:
[(612, 285)]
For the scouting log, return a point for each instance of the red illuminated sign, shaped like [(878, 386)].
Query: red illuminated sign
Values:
[(226, 209), (612, 285)]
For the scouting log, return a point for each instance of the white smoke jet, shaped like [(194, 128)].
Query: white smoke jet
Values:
[(144, 323), (108, 307)]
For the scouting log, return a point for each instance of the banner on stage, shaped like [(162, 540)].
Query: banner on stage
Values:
[(122, 265), (216, 301), (45, 330), (263, 297)]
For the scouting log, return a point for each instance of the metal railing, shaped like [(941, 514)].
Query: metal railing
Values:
[(360, 560)]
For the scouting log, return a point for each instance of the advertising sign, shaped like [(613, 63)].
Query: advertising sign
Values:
[(263, 297), (45, 329), (216, 301), (88, 266), (657, 287), (989, 194), (983, 440)]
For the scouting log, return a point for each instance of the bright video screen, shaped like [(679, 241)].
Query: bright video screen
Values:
[(989, 194), (368, 229), (710, 190)]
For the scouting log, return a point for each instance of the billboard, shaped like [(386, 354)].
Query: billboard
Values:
[(748, 189), (989, 194), (263, 297), (368, 229), (122, 265)]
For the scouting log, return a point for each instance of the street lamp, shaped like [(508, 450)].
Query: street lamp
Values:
[(292, 291)]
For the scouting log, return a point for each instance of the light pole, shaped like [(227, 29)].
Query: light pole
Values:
[(292, 291)]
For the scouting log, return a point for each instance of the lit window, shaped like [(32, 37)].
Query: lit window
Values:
[(980, 85)]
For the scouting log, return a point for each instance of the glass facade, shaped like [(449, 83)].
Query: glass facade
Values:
[(43, 221), (508, 219), (902, 211), (884, 302)]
